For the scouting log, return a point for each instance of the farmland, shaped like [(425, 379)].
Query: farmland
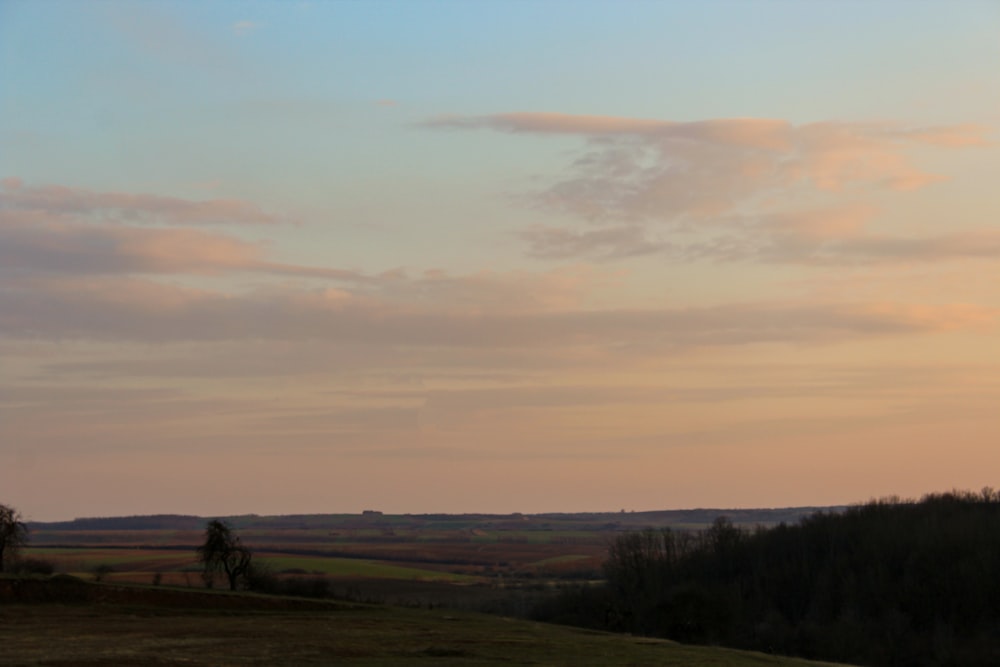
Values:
[(468, 560)]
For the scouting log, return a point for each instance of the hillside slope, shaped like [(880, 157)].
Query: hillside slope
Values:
[(113, 625)]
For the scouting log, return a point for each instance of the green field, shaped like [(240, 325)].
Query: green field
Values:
[(81, 560), (139, 564), (352, 567)]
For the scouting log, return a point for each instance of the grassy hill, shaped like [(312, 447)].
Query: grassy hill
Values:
[(63, 621)]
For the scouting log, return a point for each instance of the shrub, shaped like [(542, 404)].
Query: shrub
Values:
[(34, 566), (307, 587)]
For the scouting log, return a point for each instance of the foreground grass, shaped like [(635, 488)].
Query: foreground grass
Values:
[(91, 634)]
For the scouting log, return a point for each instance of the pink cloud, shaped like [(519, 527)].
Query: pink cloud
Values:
[(642, 169), (717, 188), (57, 247), (837, 222), (754, 132), (972, 244), (550, 123), (834, 236), (603, 243), (500, 291), (948, 317), (41, 243), (244, 27), (950, 136), (768, 133), (131, 309), (128, 207), (835, 155), (57, 230)]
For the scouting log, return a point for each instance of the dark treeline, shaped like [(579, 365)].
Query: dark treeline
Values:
[(149, 522), (886, 583), (584, 521)]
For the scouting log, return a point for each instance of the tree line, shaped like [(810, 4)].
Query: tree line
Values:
[(884, 583)]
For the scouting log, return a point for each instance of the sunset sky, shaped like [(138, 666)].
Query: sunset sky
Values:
[(308, 257)]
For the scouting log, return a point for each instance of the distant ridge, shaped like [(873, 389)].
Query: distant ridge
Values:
[(137, 522), (626, 520)]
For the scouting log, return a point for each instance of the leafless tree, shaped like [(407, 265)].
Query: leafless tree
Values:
[(223, 551), (13, 533)]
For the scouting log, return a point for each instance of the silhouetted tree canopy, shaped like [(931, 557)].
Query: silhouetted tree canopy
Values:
[(13, 534), (222, 551), (887, 583)]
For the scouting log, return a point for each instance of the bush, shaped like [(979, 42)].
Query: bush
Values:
[(260, 578), (34, 566), (306, 587)]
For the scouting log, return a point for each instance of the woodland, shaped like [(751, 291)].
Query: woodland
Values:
[(887, 583)]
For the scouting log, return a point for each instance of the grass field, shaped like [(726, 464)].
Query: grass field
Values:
[(128, 564), (351, 567), (136, 626)]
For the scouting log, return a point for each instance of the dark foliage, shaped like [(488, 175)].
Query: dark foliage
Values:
[(223, 551), (306, 587), (13, 534), (29, 566), (150, 522), (886, 583)]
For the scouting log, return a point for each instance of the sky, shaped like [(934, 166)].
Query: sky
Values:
[(310, 257)]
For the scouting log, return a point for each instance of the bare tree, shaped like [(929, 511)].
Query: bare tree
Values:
[(223, 551), (13, 533)]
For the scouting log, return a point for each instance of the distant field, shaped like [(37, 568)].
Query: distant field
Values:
[(362, 554), (350, 567), (146, 626), (76, 561), (126, 563)]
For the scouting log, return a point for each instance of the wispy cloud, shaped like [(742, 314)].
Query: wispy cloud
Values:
[(80, 264), (128, 207), (726, 189), (132, 309), (159, 31), (244, 27), (832, 236), (766, 133), (837, 235), (34, 247), (604, 243), (69, 231)]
